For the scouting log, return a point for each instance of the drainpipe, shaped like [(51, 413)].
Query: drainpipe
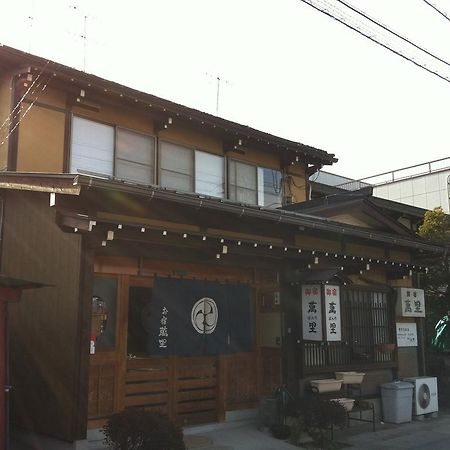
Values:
[(311, 171), (422, 365)]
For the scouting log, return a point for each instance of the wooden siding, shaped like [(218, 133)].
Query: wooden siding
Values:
[(41, 141), (365, 250), (296, 183), (407, 362), (118, 116), (51, 96), (314, 243), (350, 219), (45, 347), (192, 138), (183, 388), (397, 255), (190, 390), (150, 267), (270, 369)]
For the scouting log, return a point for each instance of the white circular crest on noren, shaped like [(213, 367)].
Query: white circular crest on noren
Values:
[(204, 315)]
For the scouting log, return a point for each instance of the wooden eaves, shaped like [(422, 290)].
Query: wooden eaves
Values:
[(70, 184), (74, 80)]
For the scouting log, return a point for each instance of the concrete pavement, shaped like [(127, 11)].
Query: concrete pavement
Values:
[(429, 434), (246, 437)]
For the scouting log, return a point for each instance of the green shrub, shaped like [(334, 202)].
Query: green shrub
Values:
[(137, 429)]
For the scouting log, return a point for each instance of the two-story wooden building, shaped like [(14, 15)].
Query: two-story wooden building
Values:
[(174, 278)]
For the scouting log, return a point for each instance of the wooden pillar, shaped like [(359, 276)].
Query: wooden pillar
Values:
[(290, 344), (3, 369), (6, 295)]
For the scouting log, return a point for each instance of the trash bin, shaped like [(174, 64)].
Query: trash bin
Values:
[(396, 398)]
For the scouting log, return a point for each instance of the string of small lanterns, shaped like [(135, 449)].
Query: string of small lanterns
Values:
[(225, 242)]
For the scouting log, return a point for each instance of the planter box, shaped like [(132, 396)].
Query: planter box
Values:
[(326, 385), (347, 403), (350, 377)]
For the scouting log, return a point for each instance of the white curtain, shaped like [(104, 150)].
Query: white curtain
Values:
[(209, 174), (92, 147), (135, 159)]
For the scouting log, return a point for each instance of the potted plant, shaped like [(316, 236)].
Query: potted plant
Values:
[(281, 430)]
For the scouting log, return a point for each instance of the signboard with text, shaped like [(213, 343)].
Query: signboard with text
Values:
[(332, 313), (312, 312), (410, 302), (406, 334)]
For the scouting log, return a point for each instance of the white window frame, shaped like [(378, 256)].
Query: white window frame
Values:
[(153, 138), (114, 149), (194, 152), (259, 181), (196, 180)]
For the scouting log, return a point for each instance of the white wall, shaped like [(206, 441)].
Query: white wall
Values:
[(426, 191)]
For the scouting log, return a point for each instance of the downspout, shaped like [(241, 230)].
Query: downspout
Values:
[(311, 171), (422, 365)]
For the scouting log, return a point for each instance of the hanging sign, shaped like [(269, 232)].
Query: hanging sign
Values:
[(196, 318), (332, 313), (406, 334), (312, 312), (410, 302)]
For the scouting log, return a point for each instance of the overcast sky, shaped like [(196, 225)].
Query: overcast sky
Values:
[(285, 68)]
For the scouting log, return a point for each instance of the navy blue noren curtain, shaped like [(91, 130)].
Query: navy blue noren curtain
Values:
[(172, 331)]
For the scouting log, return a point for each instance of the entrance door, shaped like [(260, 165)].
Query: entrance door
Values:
[(104, 368), (189, 389), (184, 388)]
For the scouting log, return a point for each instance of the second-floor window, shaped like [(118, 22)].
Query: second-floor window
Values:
[(105, 150), (190, 170), (255, 185), (112, 151)]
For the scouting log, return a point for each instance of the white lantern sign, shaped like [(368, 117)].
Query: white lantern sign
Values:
[(332, 313), (312, 312)]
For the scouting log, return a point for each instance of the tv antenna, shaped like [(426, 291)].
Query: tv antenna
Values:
[(219, 80), (84, 34), (30, 26)]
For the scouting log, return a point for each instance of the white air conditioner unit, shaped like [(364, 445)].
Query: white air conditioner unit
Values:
[(425, 396)]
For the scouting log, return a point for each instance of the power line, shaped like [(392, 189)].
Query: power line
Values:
[(442, 13), (44, 87), (373, 39), (370, 30), (8, 118), (384, 27)]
